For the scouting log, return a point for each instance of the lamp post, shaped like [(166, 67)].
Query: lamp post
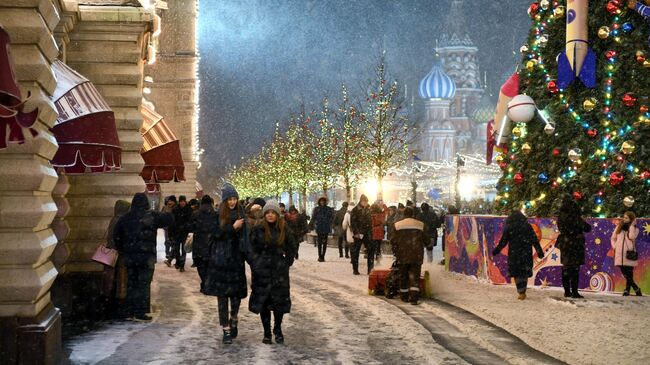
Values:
[(460, 162), (414, 183)]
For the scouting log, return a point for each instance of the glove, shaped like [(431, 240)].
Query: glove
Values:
[(540, 255), (495, 252)]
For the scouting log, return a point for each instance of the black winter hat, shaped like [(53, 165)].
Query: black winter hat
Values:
[(193, 202), (182, 198), (259, 201), (172, 198), (207, 199), (140, 202)]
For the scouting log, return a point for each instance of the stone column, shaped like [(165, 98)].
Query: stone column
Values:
[(30, 326), (107, 46), (173, 90)]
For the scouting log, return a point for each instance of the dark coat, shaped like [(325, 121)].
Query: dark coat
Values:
[(361, 221), (226, 275), (202, 225), (134, 234), (520, 238), (270, 264), (571, 240), (181, 227), (298, 224), (409, 240), (322, 219), (431, 222)]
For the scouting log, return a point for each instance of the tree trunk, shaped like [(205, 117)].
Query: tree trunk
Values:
[(348, 193), (303, 200), (380, 187), (290, 197)]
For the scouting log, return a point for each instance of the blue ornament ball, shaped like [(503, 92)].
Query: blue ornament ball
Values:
[(542, 178), (628, 27)]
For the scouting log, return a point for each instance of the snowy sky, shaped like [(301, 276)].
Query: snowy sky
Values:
[(260, 58)]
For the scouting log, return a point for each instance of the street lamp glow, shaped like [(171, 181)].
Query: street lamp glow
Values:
[(467, 186), (370, 188)]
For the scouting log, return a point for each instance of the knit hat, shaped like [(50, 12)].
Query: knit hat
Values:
[(259, 201), (193, 202), (228, 191), (207, 199), (182, 198), (271, 205)]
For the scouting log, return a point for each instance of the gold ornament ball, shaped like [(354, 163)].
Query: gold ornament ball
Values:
[(603, 32), (574, 154), (530, 65), (499, 158), (526, 148), (646, 64), (558, 12), (628, 147), (589, 104), (628, 201), (516, 131)]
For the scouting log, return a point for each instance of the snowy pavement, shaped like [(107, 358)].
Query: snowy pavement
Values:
[(334, 321)]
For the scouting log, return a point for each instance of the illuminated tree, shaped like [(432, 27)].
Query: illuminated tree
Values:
[(324, 150)]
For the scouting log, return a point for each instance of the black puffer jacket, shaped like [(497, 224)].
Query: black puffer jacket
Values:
[(270, 264), (202, 225), (226, 276), (181, 227), (520, 238), (571, 240), (135, 232), (361, 221)]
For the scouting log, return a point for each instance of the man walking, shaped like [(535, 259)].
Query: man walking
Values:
[(361, 225), (409, 241), (178, 232), (339, 232), (322, 217)]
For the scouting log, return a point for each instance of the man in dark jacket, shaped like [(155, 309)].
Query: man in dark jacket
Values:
[(322, 218), (170, 203), (202, 224), (409, 241), (178, 233), (339, 232), (361, 225), (571, 243), (135, 239), (431, 225)]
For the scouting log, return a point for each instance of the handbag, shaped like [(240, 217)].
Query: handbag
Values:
[(105, 255), (632, 255)]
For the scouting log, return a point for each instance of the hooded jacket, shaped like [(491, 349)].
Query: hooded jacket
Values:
[(121, 208), (409, 240), (323, 217), (520, 238), (135, 232), (361, 221), (202, 225)]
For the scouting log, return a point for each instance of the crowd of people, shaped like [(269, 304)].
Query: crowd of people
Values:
[(263, 234)]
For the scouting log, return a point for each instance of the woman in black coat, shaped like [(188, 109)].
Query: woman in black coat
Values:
[(226, 276), (571, 243), (272, 253), (203, 223), (520, 237)]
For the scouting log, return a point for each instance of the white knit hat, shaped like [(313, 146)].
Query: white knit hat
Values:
[(271, 205)]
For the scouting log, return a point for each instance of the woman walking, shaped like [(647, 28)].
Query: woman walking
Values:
[(624, 244), (571, 243), (202, 225), (520, 238), (297, 222), (272, 253), (378, 216), (226, 276)]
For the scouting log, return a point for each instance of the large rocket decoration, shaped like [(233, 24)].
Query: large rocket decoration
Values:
[(12, 116), (508, 90), (577, 59)]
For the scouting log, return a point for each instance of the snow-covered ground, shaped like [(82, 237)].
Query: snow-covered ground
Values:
[(334, 321)]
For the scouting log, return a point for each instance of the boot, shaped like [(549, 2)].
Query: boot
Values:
[(266, 322), (566, 285), (414, 296), (638, 292), (277, 331), (227, 336), (233, 328), (626, 293), (355, 269), (404, 296), (521, 296)]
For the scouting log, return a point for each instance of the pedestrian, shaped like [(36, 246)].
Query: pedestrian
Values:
[(115, 278), (323, 217), (226, 274), (272, 253), (254, 212), (624, 244), (571, 243), (390, 221), (194, 204), (378, 219), (409, 241), (178, 233), (339, 232), (345, 225), (135, 239), (202, 225), (361, 225), (431, 225), (520, 238), (170, 203), (282, 210), (297, 222)]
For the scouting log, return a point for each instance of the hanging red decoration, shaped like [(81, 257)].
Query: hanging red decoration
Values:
[(577, 195), (629, 99), (643, 108), (556, 152), (592, 132), (612, 7), (503, 165), (518, 178), (610, 54), (616, 178), (645, 175), (533, 9), (552, 87)]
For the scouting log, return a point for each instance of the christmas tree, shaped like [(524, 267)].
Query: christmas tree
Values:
[(589, 79)]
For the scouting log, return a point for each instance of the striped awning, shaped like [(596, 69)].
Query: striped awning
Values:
[(161, 151), (85, 127)]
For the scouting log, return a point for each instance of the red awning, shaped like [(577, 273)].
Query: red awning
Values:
[(85, 128), (161, 150)]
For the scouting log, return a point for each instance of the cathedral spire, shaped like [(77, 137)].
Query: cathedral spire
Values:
[(455, 33)]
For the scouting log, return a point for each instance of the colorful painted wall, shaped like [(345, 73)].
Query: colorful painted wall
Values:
[(469, 241)]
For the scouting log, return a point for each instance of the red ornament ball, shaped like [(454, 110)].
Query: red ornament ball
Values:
[(577, 195), (643, 108), (629, 99), (503, 165), (612, 7), (552, 87), (592, 132), (616, 178), (518, 178), (645, 175), (556, 152), (610, 54), (533, 9)]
